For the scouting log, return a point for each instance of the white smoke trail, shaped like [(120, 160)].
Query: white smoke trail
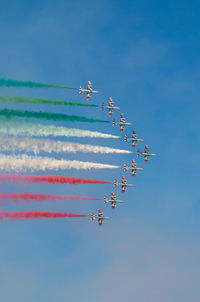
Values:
[(26, 129), (23, 163), (37, 145)]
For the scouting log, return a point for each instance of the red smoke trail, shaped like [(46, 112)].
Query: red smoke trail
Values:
[(49, 178), (12, 215), (39, 197)]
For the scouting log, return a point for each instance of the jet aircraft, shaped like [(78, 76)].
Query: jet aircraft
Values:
[(113, 200), (88, 90), (134, 139), (123, 184), (145, 153), (121, 123), (110, 107), (100, 217), (133, 168)]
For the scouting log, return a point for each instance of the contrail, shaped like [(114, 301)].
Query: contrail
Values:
[(51, 179), (7, 113), (23, 163), (36, 146), (39, 197), (24, 215), (29, 100), (30, 84), (10, 127)]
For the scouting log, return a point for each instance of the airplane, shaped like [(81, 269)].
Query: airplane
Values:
[(110, 107), (145, 153), (121, 123), (88, 90), (133, 168), (100, 217), (123, 184), (113, 200), (134, 139)]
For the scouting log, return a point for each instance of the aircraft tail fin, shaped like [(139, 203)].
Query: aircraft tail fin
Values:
[(105, 199), (125, 167), (92, 216), (126, 138)]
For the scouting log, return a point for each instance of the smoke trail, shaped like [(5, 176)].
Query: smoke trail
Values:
[(15, 83), (48, 116), (19, 215), (28, 100), (25, 129), (24, 163), (49, 179), (38, 145), (39, 197)]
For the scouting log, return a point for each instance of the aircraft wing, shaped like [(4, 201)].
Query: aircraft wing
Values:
[(110, 112), (88, 96), (134, 134), (133, 162), (100, 222), (100, 213), (133, 144), (123, 189), (123, 179), (89, 85), (113, 195), (133, 173), (110, 101), (113, 205), (121, 128)]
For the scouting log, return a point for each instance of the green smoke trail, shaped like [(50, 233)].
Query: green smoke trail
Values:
[(15, 83), (19, 99), (9, 114)]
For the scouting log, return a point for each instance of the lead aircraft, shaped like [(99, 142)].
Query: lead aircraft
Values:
[(133, 168), (146, 153), (123, 184), (88, 90), (110, 107), (113, 200), (133, 139), (100, 217), (121, 123)]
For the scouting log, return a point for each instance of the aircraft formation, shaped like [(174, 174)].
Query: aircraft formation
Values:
[(134, 140), (24, 162)]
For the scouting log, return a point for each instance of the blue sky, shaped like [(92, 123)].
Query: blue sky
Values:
[(144, 54)]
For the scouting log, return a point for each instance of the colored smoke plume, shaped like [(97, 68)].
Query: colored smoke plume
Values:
[(8, 113), (17, 128), (45, 145), (29, 100), (25, 215), (30, 84), (23, 163), (49, 179), (39, 197)]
